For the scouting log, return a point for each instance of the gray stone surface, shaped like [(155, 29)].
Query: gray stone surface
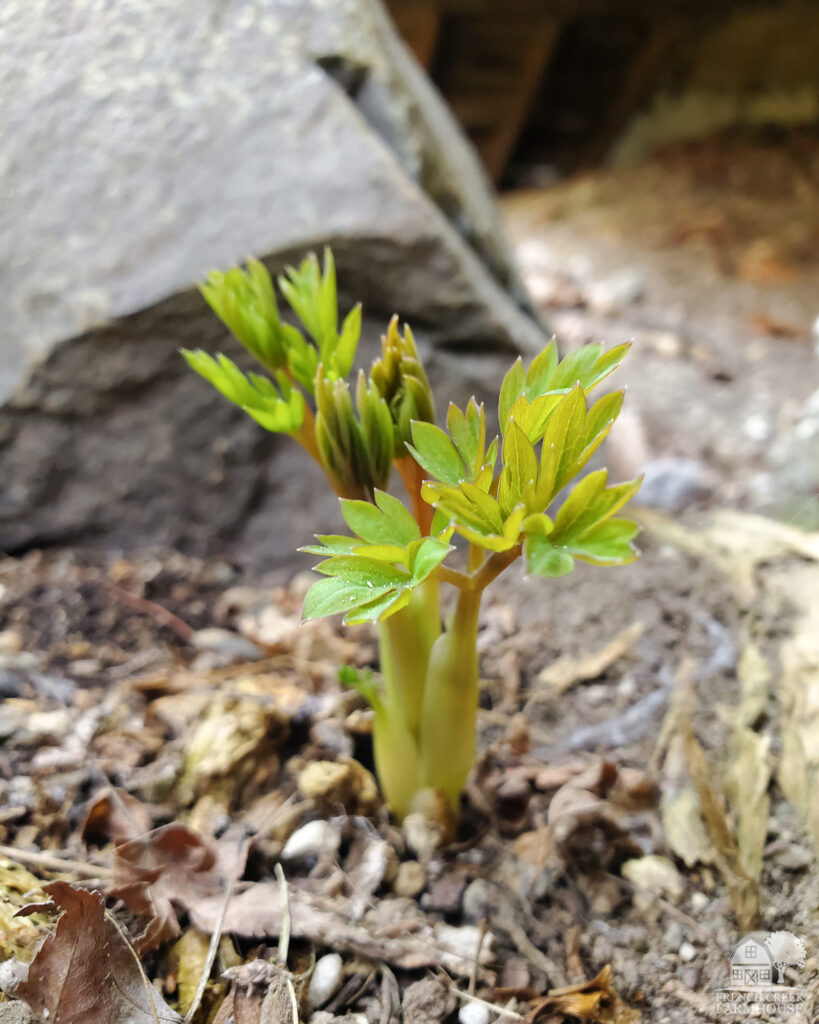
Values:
[(146, 142)]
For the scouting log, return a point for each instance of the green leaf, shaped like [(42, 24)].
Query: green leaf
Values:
[(379, 609), (468, 433), (312, 295), (608, 543), (386, 522), (520, 467), (541, 373), (532, 416), (331, 544), (564, 424), (427, 556), (590, 503), (373, 581), (280, 412), (546, 377), (348, 341), (335, 594), (246, 303), (544, 559), (575, 368), (513, 386), (362, 681), (537, 523), (361, 571), (435, 453)]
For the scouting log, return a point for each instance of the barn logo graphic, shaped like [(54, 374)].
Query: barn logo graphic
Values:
[(760, 959), (757, 982)]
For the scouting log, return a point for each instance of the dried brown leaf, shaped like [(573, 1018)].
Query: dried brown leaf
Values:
[(259, 994), (742, 888), (565, 672), (85, 973), (799, 690), (169, 867), (114, 815), (393, 931), (595, 1001)]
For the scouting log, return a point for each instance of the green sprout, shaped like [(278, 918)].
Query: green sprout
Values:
[(504, 498)]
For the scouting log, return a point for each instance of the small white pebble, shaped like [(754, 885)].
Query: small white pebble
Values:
[(325, 980), (687, 953), (312, 840), (699, 901), (757, 427), (473, 1013)]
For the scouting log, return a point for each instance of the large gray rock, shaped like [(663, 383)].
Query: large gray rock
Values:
[(146, 142)]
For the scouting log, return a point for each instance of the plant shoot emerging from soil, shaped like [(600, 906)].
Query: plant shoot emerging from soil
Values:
[(496, 495)]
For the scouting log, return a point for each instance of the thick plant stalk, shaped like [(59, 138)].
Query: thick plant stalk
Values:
[(450, 705), (406, 643)]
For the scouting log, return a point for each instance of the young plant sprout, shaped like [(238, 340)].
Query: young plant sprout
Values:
[(496, 495)]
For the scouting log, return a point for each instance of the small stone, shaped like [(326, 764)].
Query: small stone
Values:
[(223, 641), (673, 936), (795, 858), (315, 839), (613, 294), (365, 788), (687, 952), (326, 781), (666, 344), (674, 483), (410, 880), (473, 1013), (699, 901), (331, 734), (656, 875), (757, 427), (367, 876), (10, 642), (427, 1001), (445, 894), (16, 1013), (479, 900), (421, 835), (325, 980)]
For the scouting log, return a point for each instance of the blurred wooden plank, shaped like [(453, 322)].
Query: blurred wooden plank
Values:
[(497, 148), (638, 80), (418, 23)]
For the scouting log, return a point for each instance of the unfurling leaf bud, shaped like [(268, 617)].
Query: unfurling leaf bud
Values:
[(402, 382), (245, 302), (355, 449)]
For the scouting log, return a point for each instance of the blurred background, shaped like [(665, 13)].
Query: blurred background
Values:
[(492, 172)]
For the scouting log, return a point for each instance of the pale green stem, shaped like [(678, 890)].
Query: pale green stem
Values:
[(450, 707), (406, 641)]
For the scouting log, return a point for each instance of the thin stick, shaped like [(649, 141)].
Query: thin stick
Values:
[(473, 974), (501, 1010), (141, 604), (284, 932), (284, 940), (51, 863), (294, 1006), (148, 987), (215, 939)]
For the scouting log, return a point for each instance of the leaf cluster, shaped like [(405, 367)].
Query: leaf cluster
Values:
[(354, 441), (496, 495), (371, 575)]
